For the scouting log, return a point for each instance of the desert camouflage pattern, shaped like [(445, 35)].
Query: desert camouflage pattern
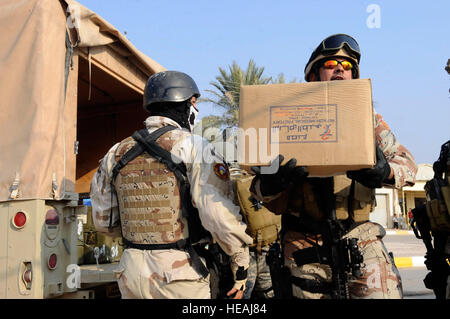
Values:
[(380, 277), (149, 197), (137, 277), (379, 269), (168, 273), (400, 159)]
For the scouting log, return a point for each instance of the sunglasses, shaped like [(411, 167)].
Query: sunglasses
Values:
[(331, 64)]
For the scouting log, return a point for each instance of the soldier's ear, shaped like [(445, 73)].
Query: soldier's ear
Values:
[(313, 76)]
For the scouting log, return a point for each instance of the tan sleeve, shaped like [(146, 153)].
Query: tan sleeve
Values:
[(104, 202)]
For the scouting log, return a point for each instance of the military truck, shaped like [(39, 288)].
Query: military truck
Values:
[(71, 87)]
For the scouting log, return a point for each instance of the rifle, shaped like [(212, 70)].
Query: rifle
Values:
[(279, 274), (344, 258), (344, 254), (432, 221), (341, 254), (435, 258)]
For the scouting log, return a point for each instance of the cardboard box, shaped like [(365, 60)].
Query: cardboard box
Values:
[(326, 126)]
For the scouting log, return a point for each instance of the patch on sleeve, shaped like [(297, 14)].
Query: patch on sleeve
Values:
[(222, 171)]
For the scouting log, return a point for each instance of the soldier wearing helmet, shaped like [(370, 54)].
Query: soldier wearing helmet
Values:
[(301, 199), (169, 193)]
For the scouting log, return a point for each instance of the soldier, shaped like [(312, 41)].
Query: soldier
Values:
[(168, 192), (302, 200)]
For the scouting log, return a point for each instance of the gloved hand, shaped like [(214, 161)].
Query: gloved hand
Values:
[(375, 176), (239, 266), (282, 177)]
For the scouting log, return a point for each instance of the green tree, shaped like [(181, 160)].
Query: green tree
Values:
[(227, 92)]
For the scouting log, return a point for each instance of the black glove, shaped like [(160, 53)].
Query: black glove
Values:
[(375, 176), (282, 176)]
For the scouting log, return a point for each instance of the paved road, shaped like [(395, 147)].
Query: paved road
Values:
[(413, 286), (407, 245)]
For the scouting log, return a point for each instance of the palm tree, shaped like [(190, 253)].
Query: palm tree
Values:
[(227, 93), (228, 86)]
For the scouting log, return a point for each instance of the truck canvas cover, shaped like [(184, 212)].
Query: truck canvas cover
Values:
[(40, 49)]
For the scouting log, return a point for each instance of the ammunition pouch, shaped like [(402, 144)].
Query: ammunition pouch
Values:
[(362, 199), (438, 192), (438, 214), (437, 205), (353, 201), (262, 225)]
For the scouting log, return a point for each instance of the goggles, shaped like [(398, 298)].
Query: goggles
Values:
[(336, 42), (331, 64)]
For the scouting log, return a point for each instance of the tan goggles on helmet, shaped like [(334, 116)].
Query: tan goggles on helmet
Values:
[(331, 64)]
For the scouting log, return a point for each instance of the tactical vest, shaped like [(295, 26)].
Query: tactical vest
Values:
[(307, 199), (262, 225), (438, 192), (361, 197), (155, 205), (149, 199)]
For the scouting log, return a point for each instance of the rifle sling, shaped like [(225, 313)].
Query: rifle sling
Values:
[(304, 224), (310, 255), (311, 285)]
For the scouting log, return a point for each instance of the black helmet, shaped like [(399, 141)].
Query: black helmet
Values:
[(341, 45), (169, 86)]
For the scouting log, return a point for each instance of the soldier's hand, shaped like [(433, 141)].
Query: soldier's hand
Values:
[(375, 176), (240, 279), (276, 178), (239, 266)]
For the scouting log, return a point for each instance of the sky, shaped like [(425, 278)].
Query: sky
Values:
[(405, 46)]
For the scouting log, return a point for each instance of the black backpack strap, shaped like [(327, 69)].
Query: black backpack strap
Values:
[(148, 142), (132, 153)]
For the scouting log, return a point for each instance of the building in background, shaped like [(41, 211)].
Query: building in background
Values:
[(413, 196), (400, 202), (388, 204)]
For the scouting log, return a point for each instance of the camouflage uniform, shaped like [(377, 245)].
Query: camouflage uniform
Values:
[(380, 277), (259, 282), (157, 274)]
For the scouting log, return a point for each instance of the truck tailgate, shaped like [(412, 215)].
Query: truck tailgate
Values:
[(102, 273)]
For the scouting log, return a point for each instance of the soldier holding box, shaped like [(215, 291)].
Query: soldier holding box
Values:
[(304, 202)]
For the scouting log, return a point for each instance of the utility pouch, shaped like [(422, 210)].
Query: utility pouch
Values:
[(363, 199), (262, 225)]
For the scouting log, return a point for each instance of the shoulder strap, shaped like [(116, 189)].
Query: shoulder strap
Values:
[(132, 153), (148, 142)]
